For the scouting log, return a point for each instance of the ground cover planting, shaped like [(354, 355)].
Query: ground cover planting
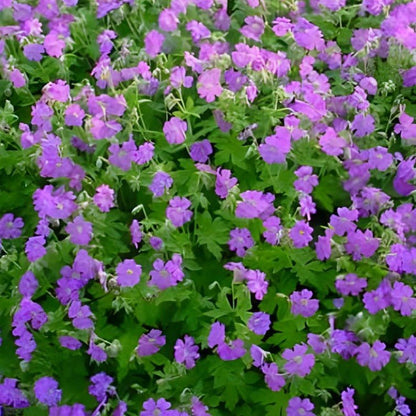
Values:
[(207, 207)]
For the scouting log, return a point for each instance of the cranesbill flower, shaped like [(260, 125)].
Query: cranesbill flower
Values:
[(224, 182), (307, 206), (258, 355), (104, 198), (174, 130), (361, 244), (178, 77), (178, 212), (74, 115), (259, 323), (274, 230), (150, 343), (232, 350), (331, 143), (128, 273), (350, 284), (301, 234), (156, 243), (80, 315), (306, 179), (240, 241), (47, 391), (135, 232), (200, 151), (276, 147), (402, 300), (198, 31), (300, 407), (344, 221), (348, 406), (70, 342), (151, 407), (101, 387), (303, 304), (186, 352), (168, 20), (96, 353), (33, 51), (153, 42), (362, 125), (209, 85), (216, 335), (255, 204), (298, 362), (256, 283), (10, 227), (79, 231), (407, 350), (273, 379), (317, 343), (28, 284), (253, 28), (374, 357), (166, 275), (323, 245), (161, 182), (35, 248), (10, 395)]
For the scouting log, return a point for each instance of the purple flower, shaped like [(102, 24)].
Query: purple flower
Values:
[(402, 300), (101, 387), (307, 206), (255, 204), (96, 352), (79, 231), (276, 147), (300, 407), (198, 408), (178, 77), (47, 391), (256, 283), (240, 241), (80, 315), (342, 342), (361, 244), (178, 212), (374, 357), (273, 379), (301, 234), (174, 130), (153, 42), (168, 20), (150, 343), (104, 198), (258, 355), (348, 406), (224, 182), (317, 342), (350, 284), (166, 275), (128, 273), (70, 342), (144, 153), (274, 230), (200, 151), (253, 28), (74, 115), (307, 35), (198, 31), (152, 408), (34, 248), (306, 179), (135, 232), (209, 85), (216, 335), (10, 395), (10, 227), (407, 350), (33, 51), (160, 182), (302, 304), (298, 362), (231, 351), (156, 243), (362, 125), (259, 323), (28, 284), (331, 143), (344, 221), (186, 352)]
